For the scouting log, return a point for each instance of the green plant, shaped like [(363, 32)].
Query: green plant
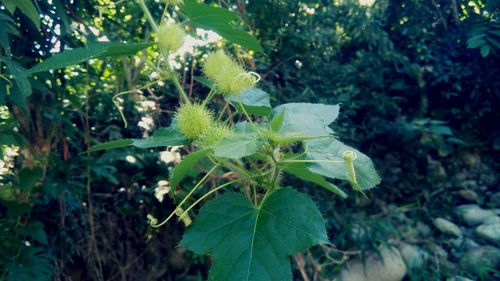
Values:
[(251, 233), (256, 229)]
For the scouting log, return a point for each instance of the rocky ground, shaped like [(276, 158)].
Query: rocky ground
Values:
[(468, 248), (454, 236)]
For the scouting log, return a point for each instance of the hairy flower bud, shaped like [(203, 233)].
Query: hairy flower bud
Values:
[(170, 36), (214, 135), (193, 120), (229, 77)]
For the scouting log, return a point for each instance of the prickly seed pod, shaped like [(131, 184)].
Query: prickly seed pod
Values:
[(214, 135), (230, 78), (170, 36), (193, 120)]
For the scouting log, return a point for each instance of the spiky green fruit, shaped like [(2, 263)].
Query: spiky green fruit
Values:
[(170, 36), (229, 77), (214, 135), (193, 120)]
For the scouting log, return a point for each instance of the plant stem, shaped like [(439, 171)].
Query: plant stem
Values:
[(153, 24), (149, 17), (210, 192), (187, 196)]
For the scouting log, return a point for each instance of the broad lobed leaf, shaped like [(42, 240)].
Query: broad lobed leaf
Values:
[(243, 142), (254, 243)]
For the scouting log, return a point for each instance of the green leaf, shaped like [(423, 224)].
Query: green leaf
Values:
[(122, 49), (28, 178), (35, 230), (331, 149), (20, 75), (254, 243), (92, 50), (238, 145), (162, 137), (300, 171), (29, 10), (181, 170), (10, 5), (476, 42), (7, 193), (218, 20), (111, 145), (303, 121), (255, 102), (277, 121), (485, 50)]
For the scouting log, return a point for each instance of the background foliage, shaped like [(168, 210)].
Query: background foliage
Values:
[(417, 80)]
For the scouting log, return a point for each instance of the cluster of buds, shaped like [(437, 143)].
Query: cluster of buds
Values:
[(197, 123), (170, 36), (228, 76)]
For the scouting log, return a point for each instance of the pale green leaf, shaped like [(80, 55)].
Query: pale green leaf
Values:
[(303, 121), (330, 149), (254, 243), (254, 101), (238, 145)]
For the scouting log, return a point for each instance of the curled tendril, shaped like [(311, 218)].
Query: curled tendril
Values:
[(152, 220), (183, 216), (349, 156), (256, 75)]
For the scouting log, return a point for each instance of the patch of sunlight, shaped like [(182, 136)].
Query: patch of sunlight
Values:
[(368, 3)]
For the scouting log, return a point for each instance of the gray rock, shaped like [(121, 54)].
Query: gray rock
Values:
[(439, 251), (469, 244), (495, 200), (464, 244), (468, 195), (481, 258), (447, 227), (391, 267), (492, 220), (490, 232), (473, 214), (414, 256)]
